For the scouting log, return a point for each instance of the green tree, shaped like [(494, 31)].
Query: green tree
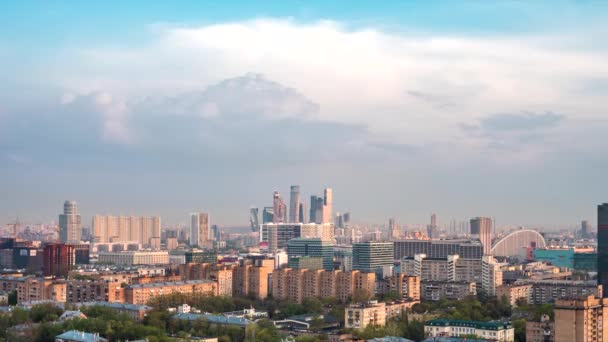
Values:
[(520, 330)]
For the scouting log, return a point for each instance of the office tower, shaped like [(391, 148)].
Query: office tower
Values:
[(268, 215), (316, 209), (199, 230), (582, 320), (602, 247), (279, 208), (433, 220), (339, 221), (481, 228), (392, 228), (70, 226), (346, 218), (438, 248), (215, 233), (373, 256), (294, 204), (327, 205), (59, 260), (278, 234), (254, 222), (584, 229), (310, 248), (302, 213), (491, 276)]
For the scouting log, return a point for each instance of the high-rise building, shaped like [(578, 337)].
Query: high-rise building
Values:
[(393, 229), (316, 209), (277, 234), (268, 215), (346, 219), (602, 246), (200, 230), (70, 225), (141, 229), (294, 204), (491, 276), (481, 228), (59, 260), (584, 229), (254, 221), (438, 248), (311, 248), (327, 205), (302, 213), (581, 320), (279, 208), (373, 256)]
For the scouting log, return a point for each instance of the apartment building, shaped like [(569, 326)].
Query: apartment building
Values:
[(515, 292), (142, 293), (360, 315), (80, 291), (581, 320)]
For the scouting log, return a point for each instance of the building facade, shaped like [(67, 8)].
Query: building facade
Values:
[(491, 331), (200, 230), (581, 320), (70, 224), (602, 245), (466, 249), (373, 256), (128, 258)]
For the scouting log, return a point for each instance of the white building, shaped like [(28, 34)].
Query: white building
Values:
[(491, 331), (134, 258), (491, 275)]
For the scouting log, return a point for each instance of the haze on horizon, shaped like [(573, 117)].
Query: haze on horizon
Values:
[(463, 109)]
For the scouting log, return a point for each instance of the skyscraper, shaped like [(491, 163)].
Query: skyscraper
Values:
[(346, 218), (602, 247), (294, 204), (584, 229), (268, 215), (254, 221), (392, 228), (70, 225), (199, 230), (327, 205), (142, 229), (279, 208), (481, 228), (316, 209), (302, 213)]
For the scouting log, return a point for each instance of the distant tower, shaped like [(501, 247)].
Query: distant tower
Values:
[(268, 215), (254, 220), (302, 213), (346, 218), (602, 246), (316, 209), (279, 208), (432, 228), (70, 226), (199, 230), (327, 205), (392, 228), (294, 204), (584, 229), (481, 227)]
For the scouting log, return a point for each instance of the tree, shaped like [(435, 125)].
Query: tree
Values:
[(12, 298), (45, 313), (520, 330)]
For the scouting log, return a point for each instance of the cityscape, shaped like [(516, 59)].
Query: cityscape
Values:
[(311, 171)]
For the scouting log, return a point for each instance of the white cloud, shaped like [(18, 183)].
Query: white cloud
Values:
[(396, 84)]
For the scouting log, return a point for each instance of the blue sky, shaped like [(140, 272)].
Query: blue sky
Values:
[(460, 108)]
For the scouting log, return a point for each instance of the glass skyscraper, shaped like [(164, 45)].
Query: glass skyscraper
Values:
[(311, 248), (602, 247), (373, 256)]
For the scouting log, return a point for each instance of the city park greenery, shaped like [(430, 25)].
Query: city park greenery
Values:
[(40, 323)]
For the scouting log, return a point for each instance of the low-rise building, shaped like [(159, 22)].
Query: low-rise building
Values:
[(79, 336), (548, 291), (129, 258), (492, 331), (136, 312), (515, 292), (360, 315), (452, 290), (540, 331)]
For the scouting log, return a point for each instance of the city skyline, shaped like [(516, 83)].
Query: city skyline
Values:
[(463, 107)]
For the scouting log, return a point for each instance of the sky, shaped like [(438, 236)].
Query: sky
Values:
[(460, 108)]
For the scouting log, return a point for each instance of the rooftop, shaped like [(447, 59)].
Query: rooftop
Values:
[(242, 322), (79, 336), (173, 283), (470, 324)]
